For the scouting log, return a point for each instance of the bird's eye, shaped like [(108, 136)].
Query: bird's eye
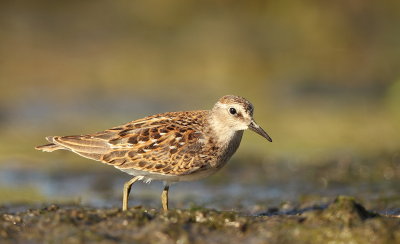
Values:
[(232, 110)]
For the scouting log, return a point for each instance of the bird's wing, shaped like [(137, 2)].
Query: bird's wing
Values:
[(161, 146), (156, 144)]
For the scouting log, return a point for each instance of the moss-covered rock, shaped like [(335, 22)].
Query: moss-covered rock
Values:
[(343, 211)]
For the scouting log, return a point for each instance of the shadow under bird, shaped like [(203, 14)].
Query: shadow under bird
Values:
[(170, 147)]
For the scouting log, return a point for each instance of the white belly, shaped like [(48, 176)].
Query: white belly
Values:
[(148, 176)]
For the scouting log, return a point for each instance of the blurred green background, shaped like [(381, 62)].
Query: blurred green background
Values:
[(324, 76)]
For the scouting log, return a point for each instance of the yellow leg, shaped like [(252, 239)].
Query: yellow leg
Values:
[(164, 198), (127, 190)]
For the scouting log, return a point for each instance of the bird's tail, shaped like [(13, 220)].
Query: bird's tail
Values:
[(49, 147)]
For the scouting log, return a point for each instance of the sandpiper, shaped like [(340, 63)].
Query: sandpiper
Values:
[(170, 147)]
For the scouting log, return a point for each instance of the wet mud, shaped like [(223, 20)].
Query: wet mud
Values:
[(344, 220)]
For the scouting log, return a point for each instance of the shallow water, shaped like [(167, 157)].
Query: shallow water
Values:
[(288, 195)]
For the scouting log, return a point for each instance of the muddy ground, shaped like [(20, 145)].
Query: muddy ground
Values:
[(251, 201), (342, 221)]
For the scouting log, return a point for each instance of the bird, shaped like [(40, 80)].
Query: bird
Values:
[(169, 147)]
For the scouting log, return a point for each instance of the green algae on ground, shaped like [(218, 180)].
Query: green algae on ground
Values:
[(344, 210), (343, 220)]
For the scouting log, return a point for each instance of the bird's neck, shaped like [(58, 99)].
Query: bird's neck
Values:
[(227, 140), (223, 134)]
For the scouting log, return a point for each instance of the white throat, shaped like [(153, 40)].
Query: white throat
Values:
[(223, 133)]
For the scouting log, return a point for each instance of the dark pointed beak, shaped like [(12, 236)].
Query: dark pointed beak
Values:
[(257, 129)]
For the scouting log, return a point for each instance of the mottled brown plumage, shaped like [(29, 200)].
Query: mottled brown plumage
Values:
[(175, 146)]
